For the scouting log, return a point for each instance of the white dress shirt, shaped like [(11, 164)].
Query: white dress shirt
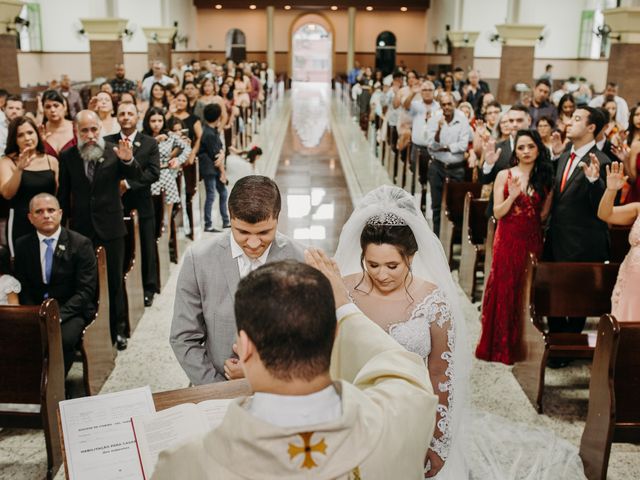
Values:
[(43, 249), (418, 112), (454, 135), (581, 153), (246, 265), (131, 138)]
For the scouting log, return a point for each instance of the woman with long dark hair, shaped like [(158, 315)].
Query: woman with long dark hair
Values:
[(173, 153), (25, 170), (566, 107), (632, 161), (57, 128), (521, 201)]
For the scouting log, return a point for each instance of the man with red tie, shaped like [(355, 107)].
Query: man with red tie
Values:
[(575, 233)]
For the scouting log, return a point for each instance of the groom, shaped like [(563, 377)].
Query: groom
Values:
[(203, 328)]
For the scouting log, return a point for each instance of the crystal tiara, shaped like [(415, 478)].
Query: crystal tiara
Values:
[(387, 219)]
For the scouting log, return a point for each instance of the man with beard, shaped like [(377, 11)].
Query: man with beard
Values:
[(89, 194), (137, 193), (120, 84)]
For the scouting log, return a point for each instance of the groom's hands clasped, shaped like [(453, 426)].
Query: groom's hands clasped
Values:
[(328, 266)]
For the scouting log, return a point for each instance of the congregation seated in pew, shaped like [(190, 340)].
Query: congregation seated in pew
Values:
[(55, 262)]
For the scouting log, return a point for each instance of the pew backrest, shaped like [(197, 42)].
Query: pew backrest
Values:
[(563, 289), (453, 197)]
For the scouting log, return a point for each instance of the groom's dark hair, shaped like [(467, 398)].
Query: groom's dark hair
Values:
[(255, 198), (288, 311)]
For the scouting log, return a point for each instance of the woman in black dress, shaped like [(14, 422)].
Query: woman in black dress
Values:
[(179, 109), (25, 171)]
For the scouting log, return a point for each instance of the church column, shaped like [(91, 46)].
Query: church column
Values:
[(271, 52), (9, 74), (105, 44), (516, 65), (624, 68), (159, 43), (351, 39), (462, 48)]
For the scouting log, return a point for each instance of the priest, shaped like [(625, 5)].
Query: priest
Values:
[(332, 400)]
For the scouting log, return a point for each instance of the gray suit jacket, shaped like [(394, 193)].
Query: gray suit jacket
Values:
[(203, 328)]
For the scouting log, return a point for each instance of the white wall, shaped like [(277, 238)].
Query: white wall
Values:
[(184, 12), (560, 17), (440, 14), (475, 18), (61, 20), (140, 13)]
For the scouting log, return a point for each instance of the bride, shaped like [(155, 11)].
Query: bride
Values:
[(396, 272)]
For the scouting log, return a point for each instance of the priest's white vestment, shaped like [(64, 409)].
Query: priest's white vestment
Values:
[(387, 421)]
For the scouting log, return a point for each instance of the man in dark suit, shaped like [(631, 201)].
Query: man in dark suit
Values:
[(89, 193), (575, 234), (137, 193), (497, 156), (54, 262)]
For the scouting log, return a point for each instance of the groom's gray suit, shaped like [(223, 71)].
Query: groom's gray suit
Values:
[(203, 328)]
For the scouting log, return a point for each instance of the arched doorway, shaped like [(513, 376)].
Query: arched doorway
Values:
[(312, 51), (236, 45), (386, 52), (311, 34)]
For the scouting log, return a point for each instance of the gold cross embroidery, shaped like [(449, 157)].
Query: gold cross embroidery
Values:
[(307, 449)]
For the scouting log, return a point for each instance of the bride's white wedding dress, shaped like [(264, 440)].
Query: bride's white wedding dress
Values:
[(474, 445)]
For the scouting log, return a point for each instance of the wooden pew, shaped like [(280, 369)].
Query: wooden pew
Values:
[(451, 214), (230, 389), (474, 234), (614, 395), (32, 371), (620, 245), (492, 224), (551, 290), (98, 354), (133, 286)]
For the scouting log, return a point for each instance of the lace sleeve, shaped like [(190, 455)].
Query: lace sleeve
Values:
[(440, 365)]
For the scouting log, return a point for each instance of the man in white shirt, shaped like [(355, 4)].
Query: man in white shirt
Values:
[(611, 92), (447, 135), (421, 106), (203, 329), (158, 68), (331, 401)]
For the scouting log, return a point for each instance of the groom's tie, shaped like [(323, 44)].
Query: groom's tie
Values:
[(48, 261)]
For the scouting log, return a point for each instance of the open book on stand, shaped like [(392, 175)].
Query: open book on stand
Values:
[(172, 427)]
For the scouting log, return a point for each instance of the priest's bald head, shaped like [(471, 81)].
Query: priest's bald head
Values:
[(286, 319)]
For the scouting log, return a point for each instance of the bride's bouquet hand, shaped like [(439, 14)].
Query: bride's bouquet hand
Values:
[(434, 462), (329, 268)]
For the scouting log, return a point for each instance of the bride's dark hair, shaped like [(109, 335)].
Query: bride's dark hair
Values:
[(400, 236)]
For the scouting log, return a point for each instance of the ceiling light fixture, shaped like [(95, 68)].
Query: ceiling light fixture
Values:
[(252, 7), (334, 8), (287, 7), (369, 8), (403, 9), (218, 7)]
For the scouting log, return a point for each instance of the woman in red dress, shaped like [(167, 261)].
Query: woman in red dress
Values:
[(522, 199)]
